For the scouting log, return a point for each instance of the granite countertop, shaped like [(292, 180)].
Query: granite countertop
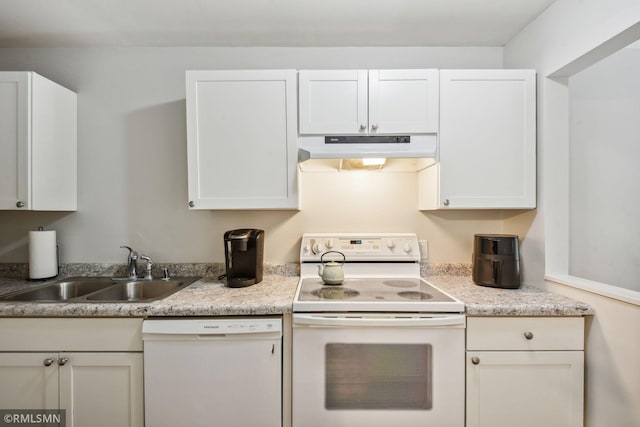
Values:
[(205, 297), (274, 295), (528, 300)]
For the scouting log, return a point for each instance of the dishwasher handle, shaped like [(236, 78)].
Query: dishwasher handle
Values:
[(388, 320)]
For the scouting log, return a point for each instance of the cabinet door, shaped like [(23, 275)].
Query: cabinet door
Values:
[(242, 139), (38, 143), (14, 140), (403, 101), (333, 102), (487, 134), (54, 135), (525, 388), (102, 389), (26, 382)]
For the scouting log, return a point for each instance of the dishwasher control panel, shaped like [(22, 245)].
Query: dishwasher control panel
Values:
[(238, 326), (222, 326)]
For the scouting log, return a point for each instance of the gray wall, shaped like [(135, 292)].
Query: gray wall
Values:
[(132, 170), (568, 36), (604, 204)]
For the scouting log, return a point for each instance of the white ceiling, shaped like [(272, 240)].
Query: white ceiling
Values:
[(75, 23)]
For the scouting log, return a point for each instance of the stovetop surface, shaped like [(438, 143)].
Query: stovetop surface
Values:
[(381, 270), (374, 294), (377, 289)]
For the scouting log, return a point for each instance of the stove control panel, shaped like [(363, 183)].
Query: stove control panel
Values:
[(395, 247)]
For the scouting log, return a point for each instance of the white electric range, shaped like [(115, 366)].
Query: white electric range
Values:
[(385, 347)]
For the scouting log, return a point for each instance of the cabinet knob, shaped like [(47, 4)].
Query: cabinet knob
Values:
[(363, 127), (475, 360), (20, 204), (374, 126), (48, 361), (192, 204), (528, 335), (62, 361), (446, 202)]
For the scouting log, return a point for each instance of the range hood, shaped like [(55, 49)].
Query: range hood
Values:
[(362, 147)]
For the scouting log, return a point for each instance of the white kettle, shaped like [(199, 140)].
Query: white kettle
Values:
[(331, 272)]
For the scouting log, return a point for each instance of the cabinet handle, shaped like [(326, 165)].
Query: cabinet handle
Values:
[(528, 335), (475, 360), (374, 126), (192, 204), (20, 204), (363, 127), (48, 361), (62, 361), (446, 202)]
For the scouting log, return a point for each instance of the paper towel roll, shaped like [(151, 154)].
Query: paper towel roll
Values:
[(43, 254)]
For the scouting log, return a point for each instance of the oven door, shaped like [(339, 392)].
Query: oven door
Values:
[(378, 369)]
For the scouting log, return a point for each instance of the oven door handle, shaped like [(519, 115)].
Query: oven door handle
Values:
[(389, 320)]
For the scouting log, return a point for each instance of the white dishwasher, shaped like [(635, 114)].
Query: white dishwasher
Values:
[(213, 372)]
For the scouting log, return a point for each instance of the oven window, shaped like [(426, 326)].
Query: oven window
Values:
[(378, 376)]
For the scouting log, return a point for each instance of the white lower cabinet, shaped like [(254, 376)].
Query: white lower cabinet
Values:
[(96, 388), (525, 371), (26, 383)]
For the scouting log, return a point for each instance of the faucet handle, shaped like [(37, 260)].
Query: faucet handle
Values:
[(149, 261)]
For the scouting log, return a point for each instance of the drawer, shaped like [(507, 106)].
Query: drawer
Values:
[(70, 334), (525, 333)]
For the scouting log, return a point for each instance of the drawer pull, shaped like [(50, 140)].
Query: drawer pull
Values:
[(475, 360), (528, 335), (48, 362)]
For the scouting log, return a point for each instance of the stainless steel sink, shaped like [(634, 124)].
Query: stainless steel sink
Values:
[(145, 290), (64, 290), (101, 289)]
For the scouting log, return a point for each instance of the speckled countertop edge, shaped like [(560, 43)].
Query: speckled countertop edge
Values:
[(528, 300), (274, 295)]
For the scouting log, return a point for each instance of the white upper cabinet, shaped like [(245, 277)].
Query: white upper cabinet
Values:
[(368, 102), (333, 102), (487, 142), (38, 144), (242, 139)]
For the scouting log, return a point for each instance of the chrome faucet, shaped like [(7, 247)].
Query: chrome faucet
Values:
[(149, 265), (132, 260)]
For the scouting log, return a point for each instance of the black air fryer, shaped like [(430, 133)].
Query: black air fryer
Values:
[(243, 251), (496, 261)]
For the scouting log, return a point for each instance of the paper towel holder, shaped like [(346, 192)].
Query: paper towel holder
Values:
[(57, 259)]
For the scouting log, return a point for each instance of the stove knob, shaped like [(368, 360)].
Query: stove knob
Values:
[(407, 248), (391, 244), (306, 248), (329, 243), (318, 247)]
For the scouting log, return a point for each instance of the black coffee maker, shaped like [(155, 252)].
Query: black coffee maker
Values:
[(496, 261), (243, 250)]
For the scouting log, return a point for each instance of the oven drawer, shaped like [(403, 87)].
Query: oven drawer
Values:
[(525, 333)]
